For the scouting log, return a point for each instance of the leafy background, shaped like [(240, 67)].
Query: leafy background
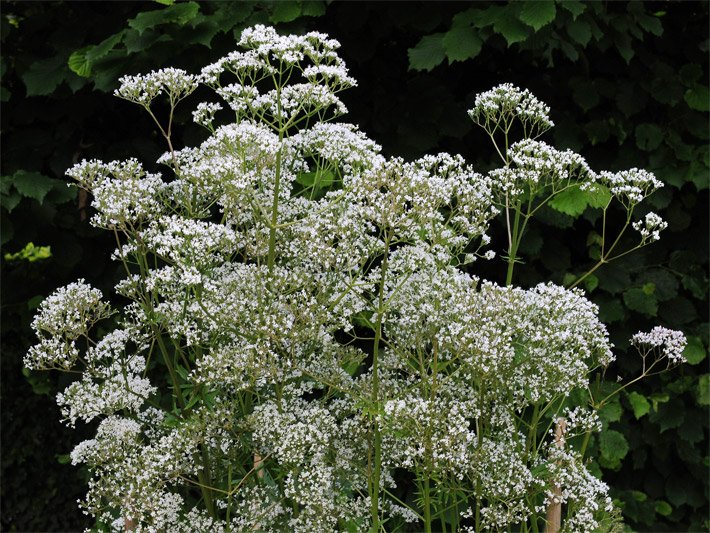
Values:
[(628, 86)]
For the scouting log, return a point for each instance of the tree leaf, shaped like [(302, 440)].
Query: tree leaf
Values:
[(663, 508), (702, 392), (175, 14), (428, 53), (45, 75), (698, 98), (613, 445), (579, 31), (32, 184), (611, 411), (285, 11), (510, 27), (461, 43), (694, 351), (639, 404), (10, 201), (79, 63), (538, 13), (573, 6), (313, 9), (648, 136), (573, 200), (650, 23), (637, 300)]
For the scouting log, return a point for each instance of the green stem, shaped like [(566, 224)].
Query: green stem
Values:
[(377, 444), (427, 505), (514, 242), (275, 209)]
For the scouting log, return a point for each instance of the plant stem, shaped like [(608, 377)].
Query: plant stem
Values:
[(513, 249), (377, 444), (427, 505), (275, 209)]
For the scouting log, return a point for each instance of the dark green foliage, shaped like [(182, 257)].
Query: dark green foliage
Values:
[(628, 86)]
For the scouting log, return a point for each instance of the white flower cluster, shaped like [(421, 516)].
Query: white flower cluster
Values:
[(313, 55), (630, 186), (497, 108), (143, 89), (581, 420), (663, 343), (124, 194), (205, 112), (650, 227), (298, 329), (65, 315)]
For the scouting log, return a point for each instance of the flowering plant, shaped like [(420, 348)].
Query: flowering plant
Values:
[(300, 342)]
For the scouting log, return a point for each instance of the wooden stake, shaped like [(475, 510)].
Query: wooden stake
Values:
[(554, 510)]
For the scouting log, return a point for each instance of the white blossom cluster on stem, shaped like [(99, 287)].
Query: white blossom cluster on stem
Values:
[(299, 343)]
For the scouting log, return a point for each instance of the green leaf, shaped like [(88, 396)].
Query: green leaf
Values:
[(638, 495), (639, 404), (538, 13), (285, 11), (45, 75), (570, 201), (698, 98), (428, 53), (597, 195), (658, 398), (591, 282), (33, 303), (663, 508), (623, 45), (63, 459), (32, 184), (79, 63), (648, 136), (702, 392), (651, 24), (637, 300), (665, 284), (30, 253), (137, 42), (461, 43), (579, 31), (166, 2), (613, 445), (312, 8), (690, 74), (610, 310), (7, 230), (669, 415), (175, 14), (573, 200), (573, 6), (10, 201), (611, 412), (694, 351), (510, 27)]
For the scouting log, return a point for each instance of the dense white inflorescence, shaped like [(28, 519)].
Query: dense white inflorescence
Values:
[(298, 327), (664, 343)]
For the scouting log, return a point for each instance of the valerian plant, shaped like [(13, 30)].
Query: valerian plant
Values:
[(300, 342)]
